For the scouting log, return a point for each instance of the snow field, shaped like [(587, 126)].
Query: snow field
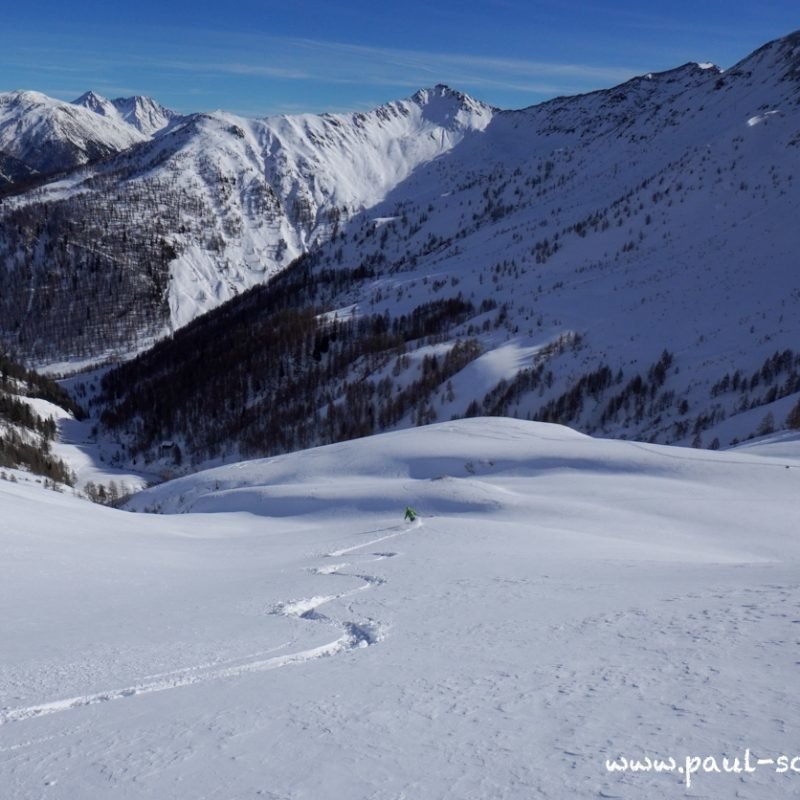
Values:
[(563, 600)]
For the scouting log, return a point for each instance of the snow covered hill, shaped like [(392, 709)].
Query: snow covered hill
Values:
[(560, 601), (30, 406)]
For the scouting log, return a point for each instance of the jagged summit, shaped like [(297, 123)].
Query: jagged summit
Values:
[(94, 102), (441, 91), (450, 107), (143, 113)]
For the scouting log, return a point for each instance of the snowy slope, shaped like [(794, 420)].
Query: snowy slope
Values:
[(86, 458), (559, 602), (657, 216), (295, 180)]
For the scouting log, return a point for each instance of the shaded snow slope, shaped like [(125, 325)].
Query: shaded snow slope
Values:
[(652, 217)]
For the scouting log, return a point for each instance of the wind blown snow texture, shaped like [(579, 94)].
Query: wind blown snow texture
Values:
[(561, 601)]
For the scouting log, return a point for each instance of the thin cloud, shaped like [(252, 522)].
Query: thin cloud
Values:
[(433, 62), (295, 59), (302, 59), (235, 68)]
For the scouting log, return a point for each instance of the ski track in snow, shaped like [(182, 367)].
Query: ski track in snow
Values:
[(397, 531), (355, 634)]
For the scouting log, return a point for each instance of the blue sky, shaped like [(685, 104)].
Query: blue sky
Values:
[(259, 58)]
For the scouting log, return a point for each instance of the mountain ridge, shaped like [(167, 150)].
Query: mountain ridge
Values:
[(275, 186), (579, 261), (50, 135), (143, 113)]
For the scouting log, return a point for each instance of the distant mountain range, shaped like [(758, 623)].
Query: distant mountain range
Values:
[(42, 135), (620, 261), (187, 218), (143, 113)]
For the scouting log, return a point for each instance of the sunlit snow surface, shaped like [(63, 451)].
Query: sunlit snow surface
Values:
[(560, 601)]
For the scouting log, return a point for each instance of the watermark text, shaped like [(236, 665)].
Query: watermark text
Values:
[(689, 766)]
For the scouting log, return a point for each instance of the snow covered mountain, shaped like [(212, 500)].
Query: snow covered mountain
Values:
[(143, 113), (214, 205), (40, 135), (267, 191), (48, 135), (621, 261), (598, 261)]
